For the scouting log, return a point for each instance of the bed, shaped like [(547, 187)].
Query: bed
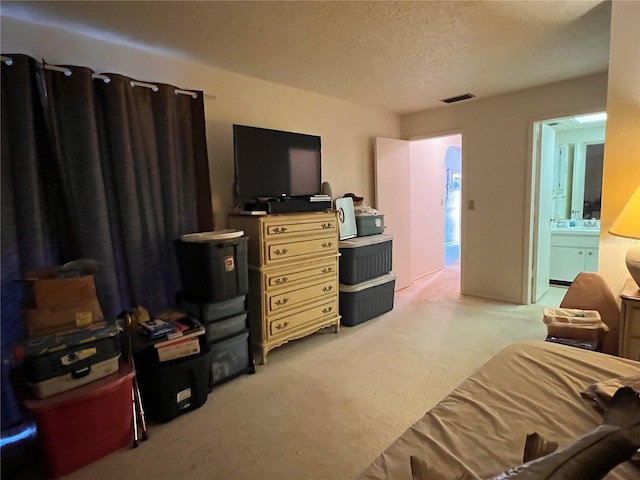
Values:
[(482, 424)]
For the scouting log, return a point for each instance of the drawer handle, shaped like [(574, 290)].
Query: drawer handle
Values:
[(280, 252), (279, 281), (327, 309), (279, 229), (327, 225), (327, 288), (281, 302), (327, 244), (282, 325), (327, 270)]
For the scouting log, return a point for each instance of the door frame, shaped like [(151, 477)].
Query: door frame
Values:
[(530, 210), (462, 132), (543, 154)]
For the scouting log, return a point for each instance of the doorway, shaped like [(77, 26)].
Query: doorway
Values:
[(452, 202), (566, 184), (411, 190)]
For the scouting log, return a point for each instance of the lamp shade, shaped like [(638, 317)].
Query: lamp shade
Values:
[(627, 223)]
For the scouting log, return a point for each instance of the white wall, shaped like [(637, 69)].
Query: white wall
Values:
[(428, 178), (622, 141), (347, 130), (496, 138)]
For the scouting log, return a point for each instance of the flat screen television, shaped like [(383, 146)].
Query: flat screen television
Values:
[(274, 164)]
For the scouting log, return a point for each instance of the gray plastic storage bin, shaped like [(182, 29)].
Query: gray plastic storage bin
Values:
[(210, 311), (224, 328), (364, 258), (366, 300), (230, 358), (369, 224)]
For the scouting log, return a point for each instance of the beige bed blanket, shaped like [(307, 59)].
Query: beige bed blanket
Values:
[(483, 423)]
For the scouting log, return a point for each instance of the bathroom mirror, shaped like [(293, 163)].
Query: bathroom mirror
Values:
[(587, 181), (577, 183), (578, 180)]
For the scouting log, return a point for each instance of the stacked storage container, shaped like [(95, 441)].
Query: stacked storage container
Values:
[(214, 278), (215, 282), (72, 380), (366, 281), (227, 335)]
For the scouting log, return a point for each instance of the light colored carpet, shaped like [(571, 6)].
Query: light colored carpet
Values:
[(324, 407)]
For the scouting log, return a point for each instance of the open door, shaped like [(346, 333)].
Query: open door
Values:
[(545, 158), (393, 199)]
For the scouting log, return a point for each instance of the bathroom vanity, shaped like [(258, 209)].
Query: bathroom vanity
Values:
[(573, 250)]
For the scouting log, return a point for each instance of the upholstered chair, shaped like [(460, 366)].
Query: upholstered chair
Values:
[(589, 291)]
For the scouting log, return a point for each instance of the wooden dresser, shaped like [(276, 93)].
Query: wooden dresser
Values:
[(293, 275)]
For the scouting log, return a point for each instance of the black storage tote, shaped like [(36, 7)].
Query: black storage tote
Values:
[(213, 265)]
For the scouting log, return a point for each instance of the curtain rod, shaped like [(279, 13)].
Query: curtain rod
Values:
[(68, 72), (106, 79)]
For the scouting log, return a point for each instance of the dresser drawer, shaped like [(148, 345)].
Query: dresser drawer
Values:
[(286, 323), (299, 249), (295, 297), (284, 227), (301, 273)]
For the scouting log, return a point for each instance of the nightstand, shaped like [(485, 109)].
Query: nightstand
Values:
[(630, 321)]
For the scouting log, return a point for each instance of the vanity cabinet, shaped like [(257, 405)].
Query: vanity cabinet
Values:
[(572, 253), (293, 275)]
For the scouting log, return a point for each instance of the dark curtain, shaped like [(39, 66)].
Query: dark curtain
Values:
[(128, 158), (98, 170), (28, 219)]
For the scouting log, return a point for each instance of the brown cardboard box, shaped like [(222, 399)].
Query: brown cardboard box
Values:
[(43, 290), (40, 322)]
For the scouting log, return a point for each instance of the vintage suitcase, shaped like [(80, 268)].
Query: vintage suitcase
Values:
[(57, 363)]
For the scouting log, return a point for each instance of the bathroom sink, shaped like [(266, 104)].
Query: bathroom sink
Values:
[(576, 230), (580, 227)]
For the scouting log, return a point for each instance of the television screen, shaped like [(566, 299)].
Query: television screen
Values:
[(274, 163)]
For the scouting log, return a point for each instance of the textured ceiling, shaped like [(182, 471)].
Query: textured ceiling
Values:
[(397, 56)]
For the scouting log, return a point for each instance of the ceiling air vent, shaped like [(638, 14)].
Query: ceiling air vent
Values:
[(459, 98)]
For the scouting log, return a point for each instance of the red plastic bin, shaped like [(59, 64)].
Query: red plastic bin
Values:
[(80, 426)]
